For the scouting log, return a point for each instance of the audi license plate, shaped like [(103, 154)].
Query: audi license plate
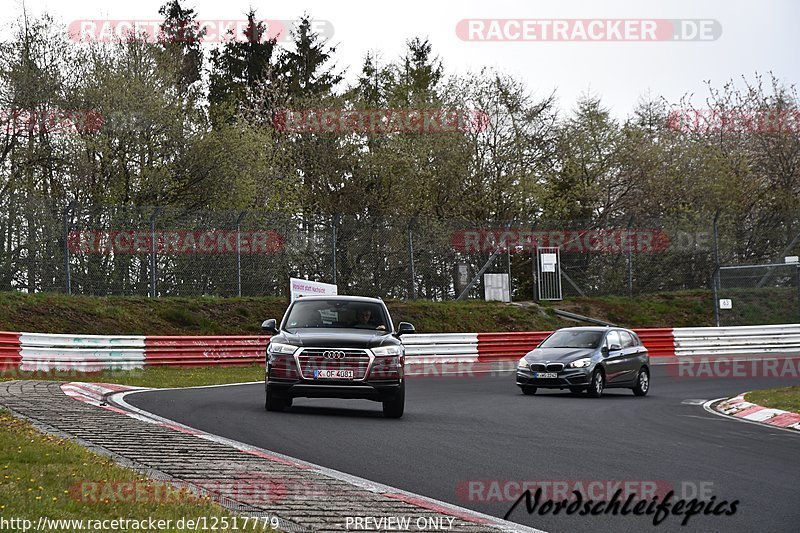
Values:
[(545, 375), (333, 374)]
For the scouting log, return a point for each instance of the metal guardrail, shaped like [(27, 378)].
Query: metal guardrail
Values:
[(45, 352), (737, 340)]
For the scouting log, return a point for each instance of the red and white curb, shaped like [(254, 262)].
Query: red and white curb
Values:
[(112, 397), (737, 407)]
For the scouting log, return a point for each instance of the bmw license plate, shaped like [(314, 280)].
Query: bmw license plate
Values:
[(545, 375), (333, 374)]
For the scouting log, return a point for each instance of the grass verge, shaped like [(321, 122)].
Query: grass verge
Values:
[(116, 315), (46, 476), (786, 398), (157, 377)]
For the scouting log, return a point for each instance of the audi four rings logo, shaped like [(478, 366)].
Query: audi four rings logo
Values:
[(333, 354)]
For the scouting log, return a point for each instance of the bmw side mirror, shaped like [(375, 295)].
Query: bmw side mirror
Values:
[(270, 326), (615, 347), (405, 328)]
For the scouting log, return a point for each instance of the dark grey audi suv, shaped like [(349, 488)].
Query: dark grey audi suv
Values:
[(336, 347)]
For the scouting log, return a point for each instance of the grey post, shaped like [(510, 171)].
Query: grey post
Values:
[(239, 252), (715, 274), (67, 212), (798, 289), (508, 258), (411, 260), (630, 260), (333, 235), (153, 251)]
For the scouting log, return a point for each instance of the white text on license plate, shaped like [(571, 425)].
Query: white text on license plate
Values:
[(545, 375), (333, 374)]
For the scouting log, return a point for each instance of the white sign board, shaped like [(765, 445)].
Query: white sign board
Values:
[(495, 287), (303, 287), (548, 262), (725, 303), (792, 259)]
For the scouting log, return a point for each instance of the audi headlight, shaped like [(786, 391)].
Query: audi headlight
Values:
[(388, 351), (276, 348), (522, 363), (580, 363)]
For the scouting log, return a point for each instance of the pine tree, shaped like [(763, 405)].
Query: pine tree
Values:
[(238, 67), (180, 38), (305, 67)]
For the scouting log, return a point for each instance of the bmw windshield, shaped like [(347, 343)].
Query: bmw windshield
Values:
[(573, 339), (337, 314)]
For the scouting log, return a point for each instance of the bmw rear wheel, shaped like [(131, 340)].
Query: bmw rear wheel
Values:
[(642, 383)]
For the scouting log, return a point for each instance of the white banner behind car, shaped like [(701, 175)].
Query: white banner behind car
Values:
[(304, 287)]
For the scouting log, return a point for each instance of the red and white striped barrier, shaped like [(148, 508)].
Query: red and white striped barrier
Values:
[(9, 350), (44, 352), (508, 346), (205, 351), (85, 353)]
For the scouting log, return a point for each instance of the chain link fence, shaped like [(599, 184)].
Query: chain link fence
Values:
[(167, 251), (759, 294)]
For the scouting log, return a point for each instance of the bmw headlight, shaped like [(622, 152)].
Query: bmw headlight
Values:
[(580, 363), (522, 363), (276, 348), (388, 351)]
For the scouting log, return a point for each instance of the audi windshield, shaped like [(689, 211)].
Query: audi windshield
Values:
[(336, 314)]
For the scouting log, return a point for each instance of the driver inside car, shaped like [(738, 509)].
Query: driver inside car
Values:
[(363, 320)]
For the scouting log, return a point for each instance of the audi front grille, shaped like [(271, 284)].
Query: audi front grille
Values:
[(333, 359)]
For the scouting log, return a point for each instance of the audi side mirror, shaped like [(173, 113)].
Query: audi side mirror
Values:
[(270, 326), (405, 328)]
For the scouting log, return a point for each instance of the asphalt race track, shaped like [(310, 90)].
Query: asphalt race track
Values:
[(481, 428)]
